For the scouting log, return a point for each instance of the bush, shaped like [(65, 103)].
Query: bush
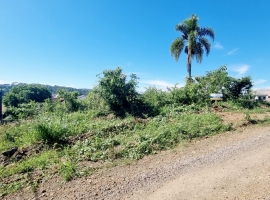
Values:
[(23, 111), (116, 91), (245, 103), (70, 100), (119, 94), (55, 128), (97, 104), (156, 98), (50, 131)]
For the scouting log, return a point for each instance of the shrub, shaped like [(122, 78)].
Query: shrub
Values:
[(23, 111), (119, 94), (68, 170), (54, 128), (96, 103), (50, 131), (156, 99), (70, 100), (116, 91)]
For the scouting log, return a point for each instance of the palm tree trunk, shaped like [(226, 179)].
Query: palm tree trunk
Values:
[(189, 70), (189, 67)]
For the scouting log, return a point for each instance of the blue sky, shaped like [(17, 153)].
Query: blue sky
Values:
[(67, 43)]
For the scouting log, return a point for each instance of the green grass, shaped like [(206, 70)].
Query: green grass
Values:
[(42, 161), (111, 139), (18, 175)]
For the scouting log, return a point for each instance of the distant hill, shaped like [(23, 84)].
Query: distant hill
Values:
[(53, 89)]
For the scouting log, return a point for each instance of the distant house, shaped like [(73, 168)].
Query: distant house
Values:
[(55, 98), (82, 97), (262, 95)]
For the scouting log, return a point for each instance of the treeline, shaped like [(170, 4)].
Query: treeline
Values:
[(53, 89), (116, 94)]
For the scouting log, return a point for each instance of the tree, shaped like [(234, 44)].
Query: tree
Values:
[(194, 38), (25, 93), (238, 88), (70, 98), (119, 94), (214, 81), (218, 81)]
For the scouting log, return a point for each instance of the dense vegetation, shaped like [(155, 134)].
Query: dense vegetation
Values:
[(20, 94), (53, 89), (114, 123)]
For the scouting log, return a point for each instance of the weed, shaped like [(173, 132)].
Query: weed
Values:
[(67, 170)]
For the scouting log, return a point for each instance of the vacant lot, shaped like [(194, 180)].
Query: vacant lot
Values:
[(233, 165)]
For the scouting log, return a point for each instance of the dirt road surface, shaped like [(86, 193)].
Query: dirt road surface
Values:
[(233, 165)]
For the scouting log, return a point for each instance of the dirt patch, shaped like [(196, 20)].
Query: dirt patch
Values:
[(72, 140), (8, 156), (238, 119)]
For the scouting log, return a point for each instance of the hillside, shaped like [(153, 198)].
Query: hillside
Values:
[(52, 89), (232, 165)]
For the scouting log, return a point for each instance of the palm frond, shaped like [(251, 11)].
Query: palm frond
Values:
[(193, 41), (206, 44), (206, 32), (186, 49), (176, 47), (199, 52), (182, 28), (185, 36), (191, 23)]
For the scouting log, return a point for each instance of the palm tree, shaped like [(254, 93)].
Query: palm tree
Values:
[(193, 37)]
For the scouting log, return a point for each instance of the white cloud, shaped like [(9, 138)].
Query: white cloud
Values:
[(259, 81), (160, 84), (218, 46), (232, 52), (240, 69)]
